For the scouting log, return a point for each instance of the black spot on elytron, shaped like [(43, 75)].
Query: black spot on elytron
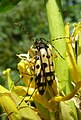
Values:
[(37, 79), (49, 74), (37, 58), (52, 63), (51, 55), (43, 55), (44, 65), (41, 87), (48, 56), (39, 84), (50, 82), (41, 92), (38, 66)]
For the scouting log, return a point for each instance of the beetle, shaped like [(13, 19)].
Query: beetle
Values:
[(44, 66)]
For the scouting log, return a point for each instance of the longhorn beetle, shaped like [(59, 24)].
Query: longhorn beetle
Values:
[(44, 72), (43, 67)]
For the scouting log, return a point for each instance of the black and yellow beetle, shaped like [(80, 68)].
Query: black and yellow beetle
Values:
[(44, 67)]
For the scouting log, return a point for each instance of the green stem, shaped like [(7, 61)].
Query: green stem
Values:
[(55, 19), (56, 29)]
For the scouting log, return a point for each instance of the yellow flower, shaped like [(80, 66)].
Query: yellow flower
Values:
[(26, 69)]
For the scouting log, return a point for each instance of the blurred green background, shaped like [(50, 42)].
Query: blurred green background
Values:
[(22, 24)]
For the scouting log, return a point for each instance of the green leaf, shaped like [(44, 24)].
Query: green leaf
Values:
[(8, 105), (8, 78), (7, 4), (12, 109), (67, 112)]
